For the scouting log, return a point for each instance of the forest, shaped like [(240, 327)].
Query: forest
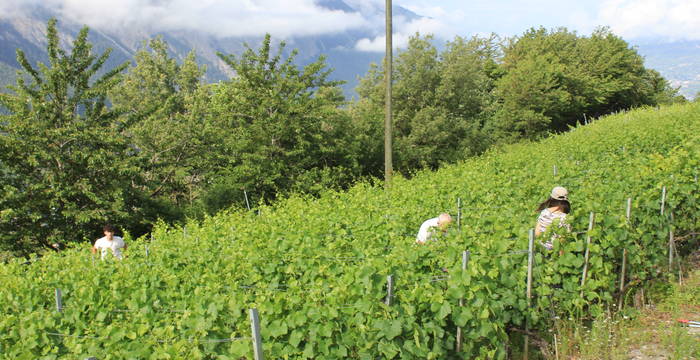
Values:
[(150, 140)]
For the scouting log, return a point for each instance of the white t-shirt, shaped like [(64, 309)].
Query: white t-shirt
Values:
[(426, 230), (116, 244)]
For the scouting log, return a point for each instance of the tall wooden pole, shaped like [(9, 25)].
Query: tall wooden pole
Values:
[(388, 167)]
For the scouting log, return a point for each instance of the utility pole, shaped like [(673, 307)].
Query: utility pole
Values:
[(388, 167)]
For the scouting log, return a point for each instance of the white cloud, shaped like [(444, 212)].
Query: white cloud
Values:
[(403, 30), (671, 19), (218, 17)]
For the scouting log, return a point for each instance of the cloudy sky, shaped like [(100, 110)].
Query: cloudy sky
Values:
[(671, 20)]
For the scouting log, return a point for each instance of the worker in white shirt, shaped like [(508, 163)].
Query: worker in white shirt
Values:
[(109, 242), (432, 226)]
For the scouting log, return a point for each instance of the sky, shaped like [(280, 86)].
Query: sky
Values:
[(671, 20), (636, 20)]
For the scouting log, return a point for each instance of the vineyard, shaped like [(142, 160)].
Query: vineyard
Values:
[(317, 270)]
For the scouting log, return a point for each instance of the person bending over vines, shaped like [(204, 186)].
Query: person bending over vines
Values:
[(555, 208)]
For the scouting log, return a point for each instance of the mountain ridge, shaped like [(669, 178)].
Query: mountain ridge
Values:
[(677, 62)]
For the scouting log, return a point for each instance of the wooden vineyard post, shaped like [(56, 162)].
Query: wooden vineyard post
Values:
[(146, 251), (670, 250), (620, 301), (389, 289), (465, 261), (591, 221), (459, 215), (59, 300), (555, 170), (680, 267), (663, 199), (247, 204), (628, 213), (530, 261), (257, 339)]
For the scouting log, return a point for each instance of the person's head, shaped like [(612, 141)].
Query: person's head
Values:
[(108, 230), (559, 198), (444, 221)]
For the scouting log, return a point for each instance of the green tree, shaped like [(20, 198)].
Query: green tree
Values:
[(67, 166), (165, 104), (542, 86), (467, 69), (550, 79), (439, 105), (284, 128)]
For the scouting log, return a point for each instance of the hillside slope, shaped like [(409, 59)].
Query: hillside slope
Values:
[(316, 269)]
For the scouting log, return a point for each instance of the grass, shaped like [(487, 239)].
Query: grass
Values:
[(650, 332)]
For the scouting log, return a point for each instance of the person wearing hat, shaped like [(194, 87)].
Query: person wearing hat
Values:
[(431, 226), (554, 208)]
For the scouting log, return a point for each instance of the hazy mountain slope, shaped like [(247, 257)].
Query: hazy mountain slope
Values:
[(679, 62), (7, 74), (28, 33)]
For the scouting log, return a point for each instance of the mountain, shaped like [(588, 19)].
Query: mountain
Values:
[(679, 62), (28, 33)]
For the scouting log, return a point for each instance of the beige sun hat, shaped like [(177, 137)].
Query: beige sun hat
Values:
[(560, 193)]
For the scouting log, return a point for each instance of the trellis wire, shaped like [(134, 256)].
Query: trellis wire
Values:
[(74, 336), (439, 278), (191, 339)]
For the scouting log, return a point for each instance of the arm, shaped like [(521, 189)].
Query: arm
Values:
[(541, 223), (93, 249), (421, 237)]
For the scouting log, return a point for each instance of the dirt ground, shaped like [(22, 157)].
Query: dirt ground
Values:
[(657, 333)]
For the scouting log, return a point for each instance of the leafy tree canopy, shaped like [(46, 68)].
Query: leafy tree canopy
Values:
[(67, 167)]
